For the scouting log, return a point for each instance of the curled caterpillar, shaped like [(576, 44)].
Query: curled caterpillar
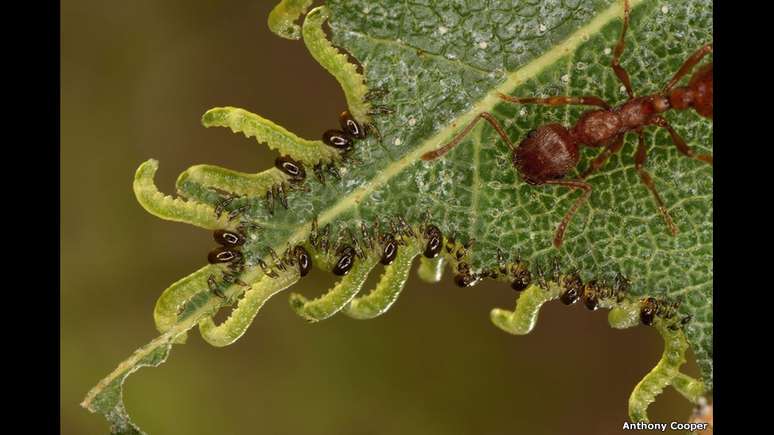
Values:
[(276, 137), (665, 373), (336, 63), (242, 316), (376, 302), (173, 209)]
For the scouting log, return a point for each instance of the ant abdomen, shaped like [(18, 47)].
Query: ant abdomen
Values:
[(547, 154)]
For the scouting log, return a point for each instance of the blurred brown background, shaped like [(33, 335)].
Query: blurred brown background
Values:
[(136, 77)]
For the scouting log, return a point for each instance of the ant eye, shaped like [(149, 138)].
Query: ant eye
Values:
[(531, 133)]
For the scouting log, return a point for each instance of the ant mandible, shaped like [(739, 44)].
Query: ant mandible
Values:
[(549, 152)]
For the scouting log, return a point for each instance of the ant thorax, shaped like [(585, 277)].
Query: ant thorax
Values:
[(596, 127)]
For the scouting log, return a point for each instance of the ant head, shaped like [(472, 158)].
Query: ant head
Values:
[(546, 153)]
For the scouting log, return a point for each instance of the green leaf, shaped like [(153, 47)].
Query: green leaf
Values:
[(443, 64)]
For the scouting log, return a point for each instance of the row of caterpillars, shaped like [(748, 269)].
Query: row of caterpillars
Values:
[(346, 253)]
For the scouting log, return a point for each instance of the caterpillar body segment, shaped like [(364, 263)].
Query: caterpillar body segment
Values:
[(169, 304), (523, 319), (335, 299), (689, 387), (337, 64), (431, 269), (173, 209), (238, 183), (391, 283), (242, 316), (309, 152), (624, 315), (666, 371)]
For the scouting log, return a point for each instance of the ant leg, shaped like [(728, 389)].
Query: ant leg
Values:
[(688, 66), (431, 155), (573, 184), (558, 101), (680, 143), (640, 157), (610, 149), (620, 72)]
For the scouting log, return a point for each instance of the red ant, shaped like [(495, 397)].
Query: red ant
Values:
[(549, 152)]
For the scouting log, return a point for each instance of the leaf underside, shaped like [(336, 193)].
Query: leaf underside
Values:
[(442, 64)]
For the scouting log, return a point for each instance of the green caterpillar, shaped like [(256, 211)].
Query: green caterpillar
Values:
[(336, 63)]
